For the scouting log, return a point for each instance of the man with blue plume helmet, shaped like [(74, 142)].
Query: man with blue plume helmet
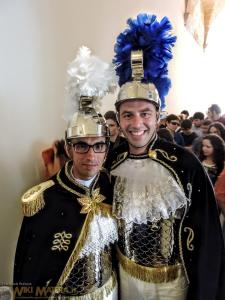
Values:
[(170, 243)]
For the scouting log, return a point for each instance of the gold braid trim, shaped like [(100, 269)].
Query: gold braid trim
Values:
[(120, 158), (149, 274), (166, 155), (98, 294), (106, 211), (180, 246), (190, 238), (33, 200)]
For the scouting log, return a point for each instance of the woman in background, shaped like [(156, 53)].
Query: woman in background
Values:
[(212, 155), (218, 129)]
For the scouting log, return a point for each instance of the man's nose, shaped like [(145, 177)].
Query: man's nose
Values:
[(137, 121), (90, 153)]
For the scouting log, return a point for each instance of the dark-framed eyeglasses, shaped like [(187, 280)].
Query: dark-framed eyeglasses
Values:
[(82, 147), (175, 123)]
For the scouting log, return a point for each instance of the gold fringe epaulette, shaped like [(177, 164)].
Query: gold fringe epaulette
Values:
[(157, 274), (32, 200)]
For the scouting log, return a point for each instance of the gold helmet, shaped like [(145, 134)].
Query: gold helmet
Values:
[(135, 89), (142, 52), (89, 80)]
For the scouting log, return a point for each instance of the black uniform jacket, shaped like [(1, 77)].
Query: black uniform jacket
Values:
[(48, 237), (201, 242)]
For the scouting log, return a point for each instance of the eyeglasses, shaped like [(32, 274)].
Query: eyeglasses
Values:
[(175, 123), (82, 147)]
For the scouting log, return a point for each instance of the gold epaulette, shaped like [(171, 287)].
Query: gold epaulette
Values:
[(33, 200)]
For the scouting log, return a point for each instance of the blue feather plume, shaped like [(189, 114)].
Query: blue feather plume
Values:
[(156, 41)]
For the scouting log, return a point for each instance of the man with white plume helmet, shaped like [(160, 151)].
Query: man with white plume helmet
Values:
[(170, 244), (65, 245)]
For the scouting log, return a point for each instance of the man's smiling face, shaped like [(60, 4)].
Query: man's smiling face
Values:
[(138, 121)]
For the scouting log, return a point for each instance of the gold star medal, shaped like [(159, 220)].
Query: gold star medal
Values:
[(91, 203)]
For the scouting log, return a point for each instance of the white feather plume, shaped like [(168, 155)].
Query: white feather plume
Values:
[(88, 76)]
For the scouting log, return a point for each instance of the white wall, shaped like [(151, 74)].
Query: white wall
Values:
[(38, 40)]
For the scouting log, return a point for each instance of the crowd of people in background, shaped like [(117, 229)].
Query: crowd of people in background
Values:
[(204, 136)]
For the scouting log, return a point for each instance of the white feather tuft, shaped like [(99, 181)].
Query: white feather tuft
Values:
[(88, 76)]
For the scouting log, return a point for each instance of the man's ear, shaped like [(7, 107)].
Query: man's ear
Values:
[(68, 150), (157, 116)]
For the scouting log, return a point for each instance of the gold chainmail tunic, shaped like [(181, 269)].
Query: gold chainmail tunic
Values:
[(88, 274), (151, 244)]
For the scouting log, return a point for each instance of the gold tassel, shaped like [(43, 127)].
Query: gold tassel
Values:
[(149, 274), (33, 200), (31, 208)]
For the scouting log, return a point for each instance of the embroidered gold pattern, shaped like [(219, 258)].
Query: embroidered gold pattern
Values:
[(180, 245), (61, 241), (165, 154), (190, 238), (91, 203)]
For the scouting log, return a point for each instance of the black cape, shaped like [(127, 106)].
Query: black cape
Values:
[(37, 266), (201, 236)]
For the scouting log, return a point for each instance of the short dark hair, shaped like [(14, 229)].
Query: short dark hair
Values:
[(185, 112), (215, 108), (206, 122), (111, 115), (198, 115), (165, 134), (186, 124), (171, 117)]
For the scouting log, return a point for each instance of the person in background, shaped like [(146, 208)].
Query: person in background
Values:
[(187, 133), (219, 189), (218, 129), (162, 119), (212, 155), (214, 114), (196, 145), (165, 134), (205, 126), (115, 138), (66, 241), (54, 158), (170, 244), (184, 115), (173, 124), (197, 120)]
